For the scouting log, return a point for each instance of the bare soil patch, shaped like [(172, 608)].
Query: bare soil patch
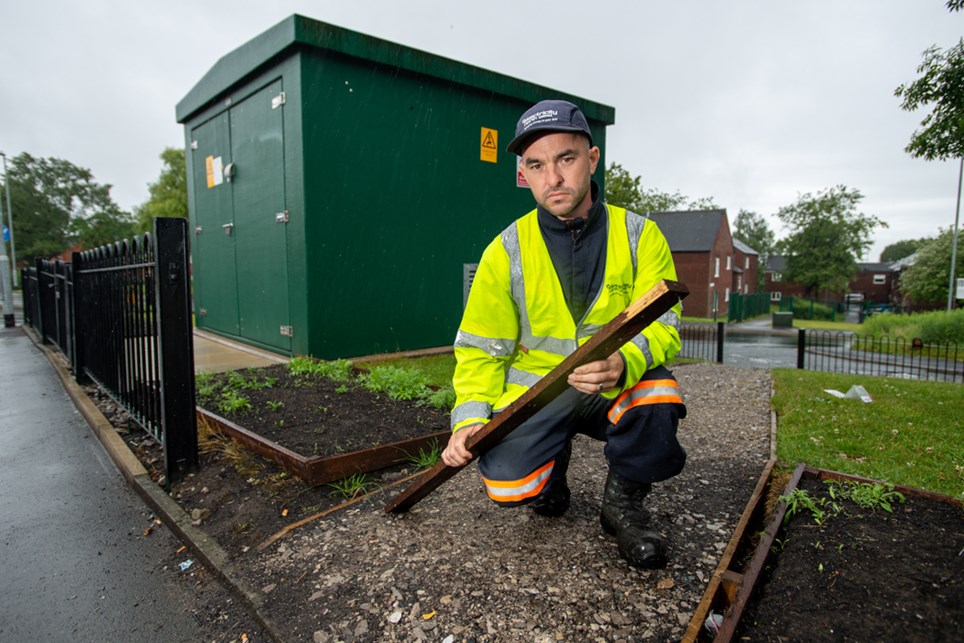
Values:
[(457, 566), (863, 575), (318, 416)]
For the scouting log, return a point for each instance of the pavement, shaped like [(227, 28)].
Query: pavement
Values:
[(76, 565)]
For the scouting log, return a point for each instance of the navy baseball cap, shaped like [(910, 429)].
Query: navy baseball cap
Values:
[(548, 116)]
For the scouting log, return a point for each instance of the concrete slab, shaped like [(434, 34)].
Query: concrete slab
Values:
[(216, 354)]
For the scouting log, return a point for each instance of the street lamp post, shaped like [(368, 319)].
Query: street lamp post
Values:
[(13, 246), (957, 218)]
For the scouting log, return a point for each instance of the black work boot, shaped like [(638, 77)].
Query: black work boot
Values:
[(623, 517), (554, 499)]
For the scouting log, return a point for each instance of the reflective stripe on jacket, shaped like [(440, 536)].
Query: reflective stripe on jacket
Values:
[(517, 326)]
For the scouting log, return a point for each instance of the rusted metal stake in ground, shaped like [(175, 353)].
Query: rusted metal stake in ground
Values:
[(640, 314)]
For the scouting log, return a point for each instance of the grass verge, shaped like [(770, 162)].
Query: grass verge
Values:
[(911, 434)]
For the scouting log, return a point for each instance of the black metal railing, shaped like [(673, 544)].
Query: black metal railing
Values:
[(702, 341), (121, 313), (53, 280), (840, 352), (31, 297)]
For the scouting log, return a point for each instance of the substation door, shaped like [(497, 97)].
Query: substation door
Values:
[(246, 273), (213, 267)]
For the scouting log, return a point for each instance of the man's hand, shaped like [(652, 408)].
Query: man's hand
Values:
[(455, 454), (596, 377)]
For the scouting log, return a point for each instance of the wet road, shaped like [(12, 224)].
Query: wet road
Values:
[(74, 562)]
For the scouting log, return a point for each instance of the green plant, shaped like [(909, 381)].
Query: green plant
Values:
[(341, 389), (336, 370), (274, 406), (396, 382), (233, 402), (437, 369), (865, 494), (799, 501), (205, 385), (426, 459), (352, 486), (443, 399)]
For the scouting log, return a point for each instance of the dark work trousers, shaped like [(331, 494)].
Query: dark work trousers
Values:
[(640, 446)]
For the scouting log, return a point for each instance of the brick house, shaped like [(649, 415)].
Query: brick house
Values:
[(872, 282), (746, 268), (706, 259)]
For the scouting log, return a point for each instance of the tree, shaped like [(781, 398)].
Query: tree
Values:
[(55, 203), (900, 250), (826, 236), (625, 190), (941, 86), (752, 229), (925, 283), (168, 195)]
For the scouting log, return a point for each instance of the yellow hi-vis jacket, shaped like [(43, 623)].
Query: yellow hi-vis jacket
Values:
[(517, 326)]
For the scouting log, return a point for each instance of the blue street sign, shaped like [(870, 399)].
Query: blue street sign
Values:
[(6, 233)]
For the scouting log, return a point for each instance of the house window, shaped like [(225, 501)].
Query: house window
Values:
[(716, 267), (729, 262), (746, 263), (880, 280), (726, 294), (777, 276), (776, 296)]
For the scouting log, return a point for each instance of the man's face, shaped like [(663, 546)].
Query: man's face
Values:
[(558, 167)]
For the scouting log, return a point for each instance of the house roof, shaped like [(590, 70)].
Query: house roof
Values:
[(906, 262), (742, 247), (690, 231), (776, 263), (875, 267)]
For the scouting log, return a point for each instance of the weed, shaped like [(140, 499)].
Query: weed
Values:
[(778, 545), (867, 495), (341, 389), (396, 382), (242, 527), (352, 486), (274, 406), (426, 459), (233, 402), (443, 399), (204, 385), (338, 370), (798, 501)]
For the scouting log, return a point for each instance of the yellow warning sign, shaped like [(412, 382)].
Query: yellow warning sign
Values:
[(490, 145), (214, 167)]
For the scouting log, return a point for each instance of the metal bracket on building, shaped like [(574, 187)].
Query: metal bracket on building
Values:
[(287, 331), (228, 228), (198, 229), (193, 145), (203, 312), (281, 217), (278, 101)]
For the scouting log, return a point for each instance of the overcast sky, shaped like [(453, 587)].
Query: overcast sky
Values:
[(751, 103)]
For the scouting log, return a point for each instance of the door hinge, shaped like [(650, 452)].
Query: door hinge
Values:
[(278, 101), (193, 145), (287, 331), (281, 217)]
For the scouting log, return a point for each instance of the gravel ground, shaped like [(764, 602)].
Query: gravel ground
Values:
[(458, 568)]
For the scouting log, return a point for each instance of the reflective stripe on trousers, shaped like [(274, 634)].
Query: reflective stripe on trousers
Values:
[(662, 391), (518, 490)]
